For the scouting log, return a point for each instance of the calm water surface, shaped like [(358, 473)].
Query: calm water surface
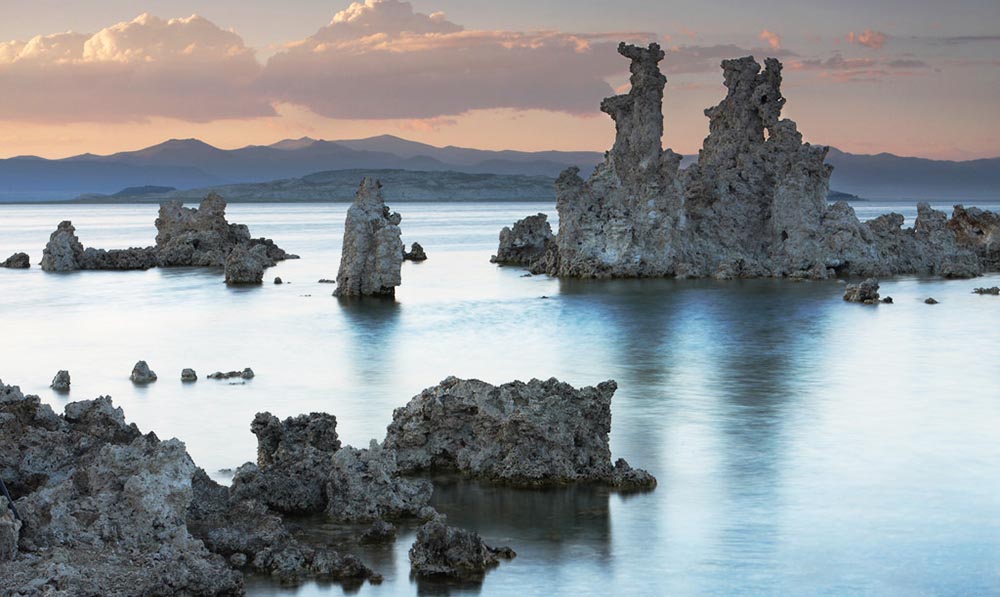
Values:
[(803, 445)]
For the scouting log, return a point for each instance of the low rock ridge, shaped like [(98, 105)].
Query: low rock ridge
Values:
[(754, 204), (185, 236)]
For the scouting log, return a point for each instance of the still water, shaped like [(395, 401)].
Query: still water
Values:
[(803, 445)]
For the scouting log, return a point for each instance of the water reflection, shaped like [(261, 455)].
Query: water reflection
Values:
[(371, 327)]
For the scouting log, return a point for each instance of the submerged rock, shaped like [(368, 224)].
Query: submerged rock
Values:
[(754, 204), (533, 434), (141, 374), (441, 550), (864, 292), (380, 531), (17, 261), (189, 375), (525, 242), (245, 374), (61, 381), (416, 253), (372, 250), (104, 508)]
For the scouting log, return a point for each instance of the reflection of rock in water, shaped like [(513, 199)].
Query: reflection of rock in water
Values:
[(530, 520), (371, 326)]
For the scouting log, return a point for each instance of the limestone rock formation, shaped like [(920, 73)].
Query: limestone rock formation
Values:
[(525, 242), (189, 375), (63, 253), (532, 434), (103, 506), (17, 261), (61, 381), (442, 550), (416, 253), (866, 292), (141, 374), (246, 266), (754, 204), (364, 485), (372, 250)]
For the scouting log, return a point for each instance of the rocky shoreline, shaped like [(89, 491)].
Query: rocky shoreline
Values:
[(104, 509)]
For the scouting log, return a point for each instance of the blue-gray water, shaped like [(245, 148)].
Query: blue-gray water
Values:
[(803, 445)]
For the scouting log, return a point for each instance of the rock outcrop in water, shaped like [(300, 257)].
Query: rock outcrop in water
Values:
[(142, 374), (416, 253), (372, 254), (530, 434), (525, 242), (61, 381), (17, 261), (865, 292), (754, 205), (994, 290), (247, 267), (103, 506), (185, 237), (441, 550)]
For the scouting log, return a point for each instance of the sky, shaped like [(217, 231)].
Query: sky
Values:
[(910, 77)]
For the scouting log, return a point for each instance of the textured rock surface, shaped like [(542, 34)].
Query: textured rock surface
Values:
[(372, 253), (441, 550), (10, 532), (63, 252), (247, 266), (754, 205), (535, 433), (864, 292), (17, 261), (364, 485), (189, 375), (525, 242), (294, 462), (245, 374), (994, 290), (416, 253), (141, 373), (61, 381), (104, 507)]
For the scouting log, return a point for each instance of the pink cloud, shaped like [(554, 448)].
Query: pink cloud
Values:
[(772, 39), (181, 68), (868, 38), (383, 60)]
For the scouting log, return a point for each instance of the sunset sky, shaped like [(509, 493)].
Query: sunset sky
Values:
[(911, 77)]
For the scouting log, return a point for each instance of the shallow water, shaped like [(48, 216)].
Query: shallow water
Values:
[(803, 445)]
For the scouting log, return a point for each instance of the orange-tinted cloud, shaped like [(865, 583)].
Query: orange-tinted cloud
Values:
[(868, 38), (772, 39), (179, 68), (380, 59)]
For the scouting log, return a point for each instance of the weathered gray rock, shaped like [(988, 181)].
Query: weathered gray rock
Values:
[(247, 266), (931, 300), (17, 261), (104, 507), (865, 292), (63, 253), (10, 532), (251, 536), (525, 242), (754, 205), (244, 374), (364, 485), (61, 381), (441, 550), (416, 253), (534, 434), (141, 374), (294, 462), (380, 531), (278, 280), (372, 250), (189, 375), (994, 290)]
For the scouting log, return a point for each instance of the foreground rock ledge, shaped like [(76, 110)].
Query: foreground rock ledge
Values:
[(444, 551), (754, 205), (540, 433)]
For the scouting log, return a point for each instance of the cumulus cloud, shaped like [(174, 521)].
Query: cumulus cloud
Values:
[(180, 68), (772, 39), (868, 38), (380, 59)]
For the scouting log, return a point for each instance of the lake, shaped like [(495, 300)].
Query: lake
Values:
[(803, 445)]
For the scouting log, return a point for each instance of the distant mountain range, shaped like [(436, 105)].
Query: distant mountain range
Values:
[(193, 164)]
